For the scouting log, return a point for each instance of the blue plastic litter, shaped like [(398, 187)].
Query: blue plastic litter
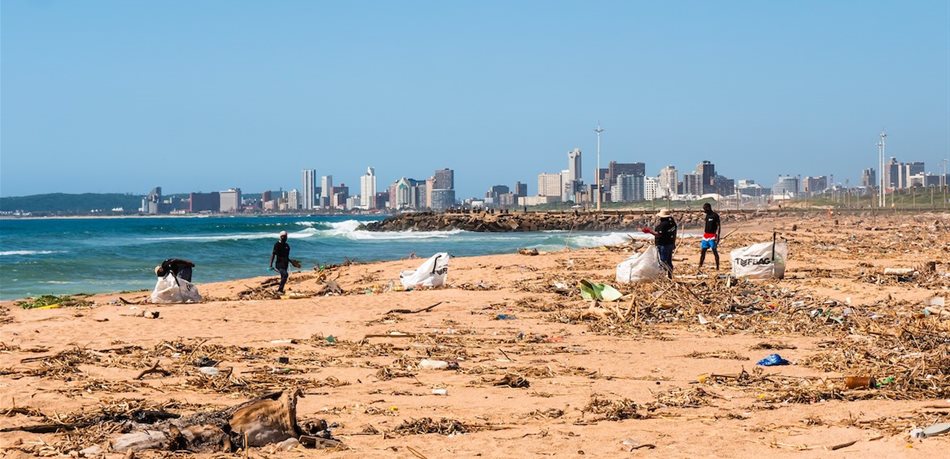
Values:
[(772, 360), (505, 317)]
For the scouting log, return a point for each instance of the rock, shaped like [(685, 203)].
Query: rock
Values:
[(138, 441), (288, 444), (91, 451)]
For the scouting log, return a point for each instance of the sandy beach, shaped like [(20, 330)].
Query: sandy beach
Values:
[(667, 371)]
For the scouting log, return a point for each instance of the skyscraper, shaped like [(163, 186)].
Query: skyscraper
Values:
[(615, 169), (309, 189), (444, 179), (549, 185), (368, 189), (574, 164), (707, 171), (668, 181), (521, 189), (326, 188), (869, 178), (230, 200)]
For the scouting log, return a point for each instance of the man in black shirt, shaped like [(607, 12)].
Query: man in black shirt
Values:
[(665, 239), (710, 236), (181, 269), (281, 253)]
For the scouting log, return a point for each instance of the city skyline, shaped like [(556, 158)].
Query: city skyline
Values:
[(97, 97)]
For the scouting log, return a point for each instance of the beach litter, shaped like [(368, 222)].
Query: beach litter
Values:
[(765, 260), (772, 360), (431, 273), (598, 292), (172, 289), (645, 266)]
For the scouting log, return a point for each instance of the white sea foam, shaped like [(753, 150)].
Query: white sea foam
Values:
[(348, 229), (305, 233), (27, 252)]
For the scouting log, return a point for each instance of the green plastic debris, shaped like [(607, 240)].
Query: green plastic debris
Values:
[(599, 292), (885, 381)]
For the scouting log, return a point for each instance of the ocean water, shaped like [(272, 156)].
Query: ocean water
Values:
[(60, 256)]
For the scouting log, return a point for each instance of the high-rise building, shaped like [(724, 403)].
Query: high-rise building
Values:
[(550, 185), (293, 199), (496, 190), (707, 171), (651, 188), (326, 186), (204, 202), (614, 169), (629, 188), (908, 170), (869, 178), (230, 200), (151, 204), (340, 194), (442, 199), (574, 165), (693, 184), (815, 184), (444, 179), (521, 189), (724, 186), (368, 189), (309, 189), (407, 193), (892, 174), (786, 186), (667, 181)]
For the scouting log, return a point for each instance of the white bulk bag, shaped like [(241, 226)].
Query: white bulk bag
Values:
[(431, 274), (170, 289), (756, 261), (641, 267)]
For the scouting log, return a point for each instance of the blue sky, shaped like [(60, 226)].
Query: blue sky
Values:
[(105, 96)]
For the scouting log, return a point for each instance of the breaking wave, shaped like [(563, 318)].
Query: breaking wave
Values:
[(27, 252)]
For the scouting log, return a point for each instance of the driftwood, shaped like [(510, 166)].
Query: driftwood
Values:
[(412, 311), (153, 369)]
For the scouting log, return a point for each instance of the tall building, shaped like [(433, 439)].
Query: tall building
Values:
[(368, 189), (651, 188), (908, 170), (151, 204), (815, 184), (340, 194), (550, 185), (614, 169), (293, 199), (204, 202), (574, 165), (230, 200), (309, 189), (496, 190), (326, 186), (667, 181), (629, 188), (724, 186), (892, 174), (407, 193), (786, 186), (521, 189), (693, 184), (869, 178), (444, 179), (442, 199), (707, 171)]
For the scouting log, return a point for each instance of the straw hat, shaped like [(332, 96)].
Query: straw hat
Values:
[(663, 213)]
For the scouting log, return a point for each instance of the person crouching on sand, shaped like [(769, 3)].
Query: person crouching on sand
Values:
[(281, 253), (181, 269)]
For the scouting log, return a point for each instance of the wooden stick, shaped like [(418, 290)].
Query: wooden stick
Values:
[(416, 453), (153, 369), (841, 445), (410, 311)]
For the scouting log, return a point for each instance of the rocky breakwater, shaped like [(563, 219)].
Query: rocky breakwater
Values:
[(533, 221)]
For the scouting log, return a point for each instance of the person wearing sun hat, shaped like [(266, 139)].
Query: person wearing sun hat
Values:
[(665, 238)]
